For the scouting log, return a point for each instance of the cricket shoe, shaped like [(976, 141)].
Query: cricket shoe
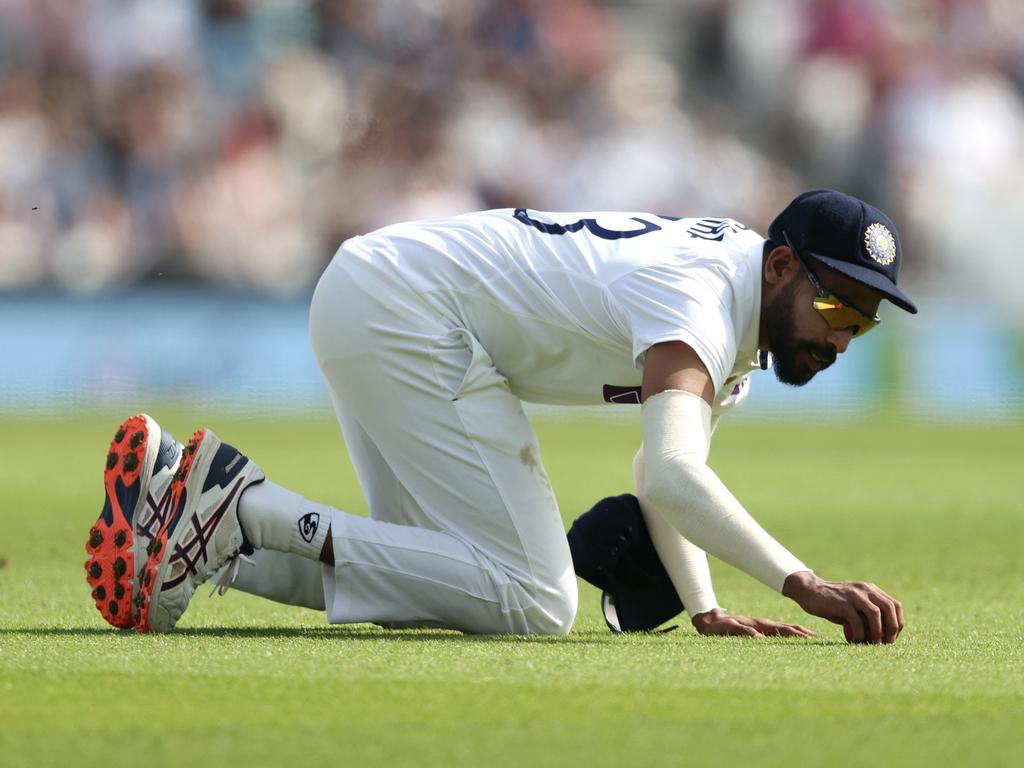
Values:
[(141, 463), (201, 535)]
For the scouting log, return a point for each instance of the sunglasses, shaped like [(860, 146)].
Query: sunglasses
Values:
[(838, 312)]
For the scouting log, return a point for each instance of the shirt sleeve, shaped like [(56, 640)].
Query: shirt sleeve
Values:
[(668, 302)]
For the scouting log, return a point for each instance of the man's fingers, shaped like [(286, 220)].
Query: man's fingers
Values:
[(739, 629), (802, 630), (873, 620), (792, 630), (778, 629), (890, 623), (897, 609), (770, 628), (854, 624), (890, 619), (747, 626)]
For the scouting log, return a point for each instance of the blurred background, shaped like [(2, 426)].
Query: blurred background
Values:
[(174, 174)]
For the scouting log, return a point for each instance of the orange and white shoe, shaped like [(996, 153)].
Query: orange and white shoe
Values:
[(201, 535), (141, 463)]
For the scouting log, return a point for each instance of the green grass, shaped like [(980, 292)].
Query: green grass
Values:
[(932, 514)]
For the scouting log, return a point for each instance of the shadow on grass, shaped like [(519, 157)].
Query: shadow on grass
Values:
[(368, 634), (339, 633)]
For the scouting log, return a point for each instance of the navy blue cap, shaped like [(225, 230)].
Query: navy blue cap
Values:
[(846, 234), (612, 549)]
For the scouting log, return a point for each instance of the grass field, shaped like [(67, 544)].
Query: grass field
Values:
[(932, 514)]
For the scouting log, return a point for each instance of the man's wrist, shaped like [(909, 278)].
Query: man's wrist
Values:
[(705, 618), (797, 584)]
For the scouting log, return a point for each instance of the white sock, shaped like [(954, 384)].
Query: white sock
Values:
[(275, 518)]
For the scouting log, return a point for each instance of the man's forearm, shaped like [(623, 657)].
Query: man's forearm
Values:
[(685, 563), (680, 486)]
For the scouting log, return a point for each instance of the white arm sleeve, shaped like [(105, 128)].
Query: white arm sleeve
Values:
[(680, 485), (686, 564)]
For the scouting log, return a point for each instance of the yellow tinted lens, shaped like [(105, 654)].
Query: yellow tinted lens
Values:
[(840, 316)]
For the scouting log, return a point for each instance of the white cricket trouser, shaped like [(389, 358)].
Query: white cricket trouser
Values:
[(464, 531)]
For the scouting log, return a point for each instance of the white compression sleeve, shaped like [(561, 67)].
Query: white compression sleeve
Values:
[(681, 486), (685, 563)]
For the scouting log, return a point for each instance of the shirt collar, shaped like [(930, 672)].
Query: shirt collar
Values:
[(748, 351)]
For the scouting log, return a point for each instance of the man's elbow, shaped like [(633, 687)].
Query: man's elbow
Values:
[(666, 484)]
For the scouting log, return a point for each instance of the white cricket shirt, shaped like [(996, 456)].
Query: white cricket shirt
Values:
[(567, 304)]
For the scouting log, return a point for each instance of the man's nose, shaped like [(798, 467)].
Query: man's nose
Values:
[(840, 339)]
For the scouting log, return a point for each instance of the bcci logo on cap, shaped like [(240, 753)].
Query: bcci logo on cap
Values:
[(880, 243)]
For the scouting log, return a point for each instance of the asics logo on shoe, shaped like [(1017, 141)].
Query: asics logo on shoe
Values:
[(308, 525), (159, 513), (202, 534)]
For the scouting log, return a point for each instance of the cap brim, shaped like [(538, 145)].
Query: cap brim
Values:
[(871, 279), (639, 610)]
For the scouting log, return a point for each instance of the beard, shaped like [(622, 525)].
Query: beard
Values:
[(793, 361)]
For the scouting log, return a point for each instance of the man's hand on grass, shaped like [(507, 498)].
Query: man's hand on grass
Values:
[(867, 613), (720, 622)]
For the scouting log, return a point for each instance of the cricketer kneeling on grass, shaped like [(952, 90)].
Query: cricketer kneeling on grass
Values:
[(430, 335)]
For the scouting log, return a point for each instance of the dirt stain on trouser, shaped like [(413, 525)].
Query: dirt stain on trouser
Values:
[(531, 460)]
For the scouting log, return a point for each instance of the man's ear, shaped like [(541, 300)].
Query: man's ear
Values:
[(780, 266)]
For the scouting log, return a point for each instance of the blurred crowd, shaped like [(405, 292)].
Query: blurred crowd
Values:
[(239, 142)]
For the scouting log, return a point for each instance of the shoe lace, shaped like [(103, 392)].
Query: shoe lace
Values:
[(224, 579)]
